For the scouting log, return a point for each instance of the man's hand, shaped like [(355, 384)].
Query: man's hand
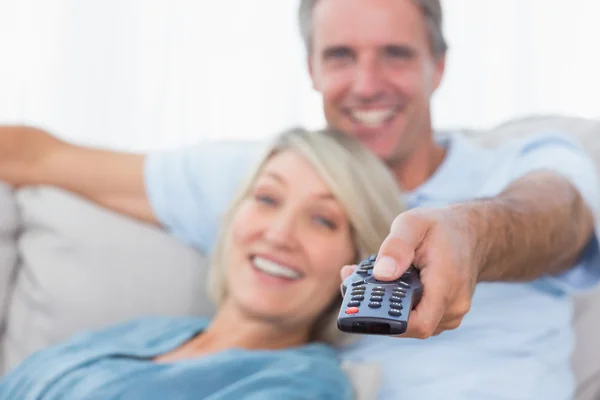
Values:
[(440, 245), (23, 151)]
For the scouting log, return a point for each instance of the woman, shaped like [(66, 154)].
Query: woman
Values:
[(316, 201)]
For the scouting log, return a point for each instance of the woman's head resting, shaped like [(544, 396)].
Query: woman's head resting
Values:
[(315, 202)]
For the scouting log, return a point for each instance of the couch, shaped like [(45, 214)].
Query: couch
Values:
[(67, 265)]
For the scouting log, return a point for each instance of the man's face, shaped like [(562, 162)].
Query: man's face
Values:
[(372, 62)]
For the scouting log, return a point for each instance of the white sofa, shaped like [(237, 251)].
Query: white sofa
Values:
[(67, 265)]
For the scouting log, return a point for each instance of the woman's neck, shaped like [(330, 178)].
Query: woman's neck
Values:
[(232, 328)]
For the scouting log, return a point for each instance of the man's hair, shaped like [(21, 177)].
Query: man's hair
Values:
[(431, 10), (360, 182)]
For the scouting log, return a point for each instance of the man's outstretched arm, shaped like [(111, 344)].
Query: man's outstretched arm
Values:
[(31, 156), (537, 226)]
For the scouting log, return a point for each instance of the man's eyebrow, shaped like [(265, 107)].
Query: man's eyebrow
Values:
[(400, 50), (336, 50)]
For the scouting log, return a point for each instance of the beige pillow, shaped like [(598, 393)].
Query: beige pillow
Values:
[(84, 267)]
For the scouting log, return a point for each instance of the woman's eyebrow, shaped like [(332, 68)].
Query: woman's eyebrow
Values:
[(273, 175)]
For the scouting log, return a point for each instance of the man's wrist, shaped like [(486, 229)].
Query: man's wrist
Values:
[(474, 223)]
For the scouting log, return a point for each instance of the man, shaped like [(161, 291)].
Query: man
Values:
[(501, 236)]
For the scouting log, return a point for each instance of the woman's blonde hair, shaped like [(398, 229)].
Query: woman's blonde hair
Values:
[(360, 182)]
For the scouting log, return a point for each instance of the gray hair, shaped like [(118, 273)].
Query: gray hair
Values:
[(361, 183), (431, 10)]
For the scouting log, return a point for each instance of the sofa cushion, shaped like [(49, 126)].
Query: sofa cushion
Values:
[(84, 267), (8, 251), (586, 356)]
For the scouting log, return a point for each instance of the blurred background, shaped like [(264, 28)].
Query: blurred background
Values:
[(149, 74)]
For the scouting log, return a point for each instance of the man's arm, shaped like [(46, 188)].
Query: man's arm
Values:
[(537, 226), (30, 156)]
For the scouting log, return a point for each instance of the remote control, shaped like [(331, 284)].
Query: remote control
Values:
[(378, 307)]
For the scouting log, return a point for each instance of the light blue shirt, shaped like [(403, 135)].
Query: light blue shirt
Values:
[(517, 339), (115, 363)]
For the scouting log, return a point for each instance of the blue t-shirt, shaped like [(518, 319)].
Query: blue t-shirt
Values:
[(115, 363), (517, 339)]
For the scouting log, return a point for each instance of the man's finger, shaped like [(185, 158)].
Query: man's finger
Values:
[(398, 249), (425, 319)]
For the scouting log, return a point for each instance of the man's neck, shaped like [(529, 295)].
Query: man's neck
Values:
[(413, 171)]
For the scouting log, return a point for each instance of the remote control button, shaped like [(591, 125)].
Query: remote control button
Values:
[(399, 293), (394, 313), (372, 257), (359, 289), (374, 304), (396, 299), (358, 298), (403, 284), (377, 292), (376, 298), (396, 306), (378, 288), (358, 283), (351, 310), (354, 304), (363, 273)]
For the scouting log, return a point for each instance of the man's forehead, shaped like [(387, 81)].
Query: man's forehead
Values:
[(357, 22)]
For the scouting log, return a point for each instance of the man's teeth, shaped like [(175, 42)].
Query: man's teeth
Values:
[(372, 117), (274, 269)]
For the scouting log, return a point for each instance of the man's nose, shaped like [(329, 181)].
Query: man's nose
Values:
[(367, 83)]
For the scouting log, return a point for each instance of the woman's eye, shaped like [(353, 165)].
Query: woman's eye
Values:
[(325, 222), (265, 199)]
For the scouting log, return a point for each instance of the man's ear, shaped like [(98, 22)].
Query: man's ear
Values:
[(311, 72), (438, 73)]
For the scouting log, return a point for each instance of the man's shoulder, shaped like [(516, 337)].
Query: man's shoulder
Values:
[(497, 143), (484, 164)]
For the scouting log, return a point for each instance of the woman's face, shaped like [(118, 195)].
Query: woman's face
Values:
[(288, 240)]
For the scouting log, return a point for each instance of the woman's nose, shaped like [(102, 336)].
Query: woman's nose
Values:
[(281, 229)]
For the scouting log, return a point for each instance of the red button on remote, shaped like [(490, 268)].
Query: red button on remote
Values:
[(351, 310)]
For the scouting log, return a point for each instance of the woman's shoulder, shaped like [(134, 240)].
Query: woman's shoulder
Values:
[(312, 369), (147, 330)]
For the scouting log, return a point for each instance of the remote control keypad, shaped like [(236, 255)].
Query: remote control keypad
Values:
[(376, 307)]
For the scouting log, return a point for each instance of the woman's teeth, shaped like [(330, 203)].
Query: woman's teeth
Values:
[(274, 269), (372, 117)]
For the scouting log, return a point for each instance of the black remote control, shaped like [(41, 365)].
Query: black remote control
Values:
[(378, 307)]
